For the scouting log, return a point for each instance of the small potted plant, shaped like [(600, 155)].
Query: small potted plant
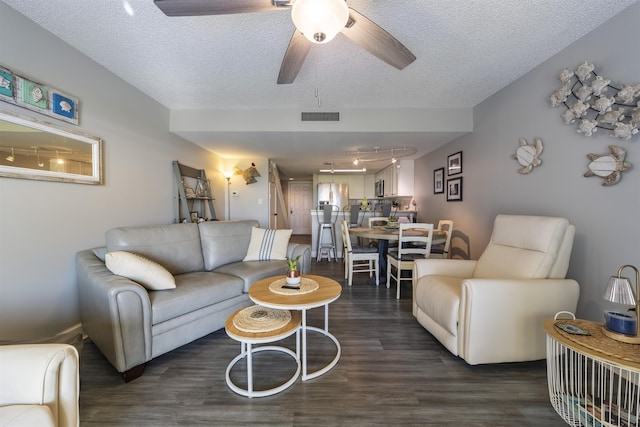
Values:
[(293, 274)]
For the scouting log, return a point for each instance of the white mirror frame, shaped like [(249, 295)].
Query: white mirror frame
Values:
[(44, 175)]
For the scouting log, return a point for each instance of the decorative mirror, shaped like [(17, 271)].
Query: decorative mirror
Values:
[(31, 149)]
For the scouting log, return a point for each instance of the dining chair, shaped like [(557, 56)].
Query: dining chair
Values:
[(355, 219), (378, 221), (358, 259), (414, 242), (441, 250)]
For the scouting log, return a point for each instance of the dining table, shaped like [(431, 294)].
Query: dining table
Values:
[(384, 234)]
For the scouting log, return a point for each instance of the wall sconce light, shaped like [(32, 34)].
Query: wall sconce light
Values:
[(619, 326), (12, 157)]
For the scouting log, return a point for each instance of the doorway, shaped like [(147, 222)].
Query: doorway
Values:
[(300, 204)]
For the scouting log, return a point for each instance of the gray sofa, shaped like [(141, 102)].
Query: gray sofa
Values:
[(132, 325)]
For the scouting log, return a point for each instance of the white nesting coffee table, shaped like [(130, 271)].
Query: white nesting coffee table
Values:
[(315, 291), (262, 325)]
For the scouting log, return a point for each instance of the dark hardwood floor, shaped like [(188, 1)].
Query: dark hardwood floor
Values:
[(392, 372)]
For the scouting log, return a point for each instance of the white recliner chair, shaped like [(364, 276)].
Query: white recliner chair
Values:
[(491, 310), (39, 385)]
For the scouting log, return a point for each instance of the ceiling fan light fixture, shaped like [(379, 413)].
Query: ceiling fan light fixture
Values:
[(320, 20)]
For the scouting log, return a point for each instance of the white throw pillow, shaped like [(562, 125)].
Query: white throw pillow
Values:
[(267, 245), (149, 274)]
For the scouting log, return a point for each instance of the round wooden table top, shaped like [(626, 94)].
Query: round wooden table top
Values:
[(386, 233), (328, 291), (596, 345), (260, 337)]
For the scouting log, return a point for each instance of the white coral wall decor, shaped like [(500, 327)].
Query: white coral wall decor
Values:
[(528, 155), (593, 103), (608, 166)]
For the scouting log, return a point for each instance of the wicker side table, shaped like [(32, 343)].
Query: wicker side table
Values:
[(593, 380)]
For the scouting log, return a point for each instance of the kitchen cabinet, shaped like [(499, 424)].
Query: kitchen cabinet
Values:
[(359, 186), (398, 178), (356, 186), (369, 186), (404, 178)]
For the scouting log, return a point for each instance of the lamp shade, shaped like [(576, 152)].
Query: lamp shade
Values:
[(320, 20), (619, 291)]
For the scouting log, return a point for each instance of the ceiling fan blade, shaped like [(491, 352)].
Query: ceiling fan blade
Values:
[(368, 35), (217, 7), (294, 57)]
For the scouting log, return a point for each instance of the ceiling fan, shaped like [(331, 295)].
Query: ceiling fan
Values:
[(316, 21)]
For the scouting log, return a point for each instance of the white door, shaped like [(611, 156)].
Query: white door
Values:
[(300, 205)]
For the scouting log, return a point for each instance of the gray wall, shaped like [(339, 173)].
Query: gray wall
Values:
[(606, 218), (43, 224)]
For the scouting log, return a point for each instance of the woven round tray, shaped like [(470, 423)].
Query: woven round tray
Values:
[(306, 285), (599, 342), (261, 319)]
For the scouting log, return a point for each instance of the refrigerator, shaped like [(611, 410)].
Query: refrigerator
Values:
[(333, 194)]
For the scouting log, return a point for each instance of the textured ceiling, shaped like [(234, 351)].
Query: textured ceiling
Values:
[(466, 51)]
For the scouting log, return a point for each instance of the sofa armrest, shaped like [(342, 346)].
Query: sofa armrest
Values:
[(115, 313), (304, 250), (42, 374), (501, 320), (443, 267)]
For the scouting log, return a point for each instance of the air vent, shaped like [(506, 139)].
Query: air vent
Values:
[(320, 117)]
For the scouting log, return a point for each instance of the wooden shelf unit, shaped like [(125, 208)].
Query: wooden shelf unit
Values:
[(187, 176)]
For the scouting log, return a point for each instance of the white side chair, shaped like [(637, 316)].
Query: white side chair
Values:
[(414, 242), (442, 250), (358, 259), (39, 385)]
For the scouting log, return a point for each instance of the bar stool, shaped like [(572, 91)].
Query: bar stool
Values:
[(327, 221)]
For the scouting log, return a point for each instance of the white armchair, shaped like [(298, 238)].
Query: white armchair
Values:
[(491, 310), (39, 385)]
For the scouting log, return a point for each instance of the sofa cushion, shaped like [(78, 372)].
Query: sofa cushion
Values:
[(26, 415), (149, 274), (193, 291), (439, 297), (521, 247), (174, 246), (267, 245), (252, 271), (224, 242)]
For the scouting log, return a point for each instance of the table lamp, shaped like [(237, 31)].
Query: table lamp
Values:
[(620, 291)]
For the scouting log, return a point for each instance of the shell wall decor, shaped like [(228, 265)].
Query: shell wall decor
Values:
[(608, 166), (27, 93), (593, 103), (528, 155)]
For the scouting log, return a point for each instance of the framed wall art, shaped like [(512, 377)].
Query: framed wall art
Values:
[(438, 181), (454, 190), (41, 98), (454, 164)]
